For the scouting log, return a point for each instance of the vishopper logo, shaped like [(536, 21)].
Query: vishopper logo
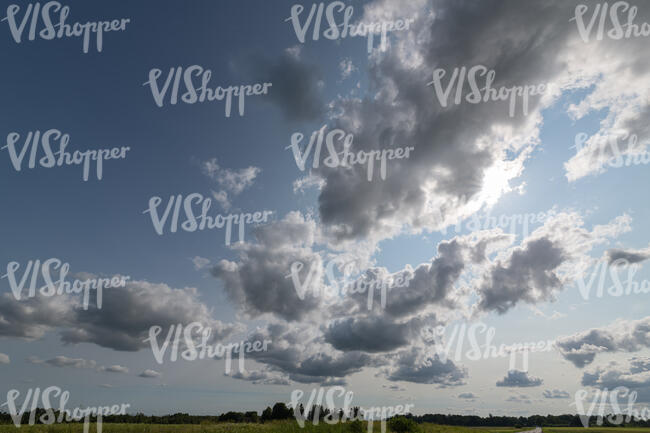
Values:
[(331, 415), (340, 286), (603, 398), (64, 30), (619, 286), (203, 93), (333, 16), (609, 152), (185, 337), (61, 157), (487, 350), (54, 287), (191, 224), (344, 158), (487, 93), (511, 223), (33, 395), (617, 29)]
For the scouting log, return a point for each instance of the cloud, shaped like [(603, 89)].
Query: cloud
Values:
[(627, 256), (258, 282), (105, 385), (31, 318), (620, 336), (232, 182), (467, 396), (415, 366), (4, 358), (633, 377), (347, 67), (539, 313), (200, 262), (260, 377), (394, 387), (114, 369), (519, 379), (555, 393), (375, 334), (298, 354), (519, 398), (150, 374), (553, 256), (306, 182), (297, 86), (63, 361), (121, 324)]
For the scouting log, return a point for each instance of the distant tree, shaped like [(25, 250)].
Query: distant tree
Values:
[(251, 417), (267, 414), (281, 411)]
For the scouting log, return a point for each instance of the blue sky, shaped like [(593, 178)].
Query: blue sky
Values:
[(99, 227)]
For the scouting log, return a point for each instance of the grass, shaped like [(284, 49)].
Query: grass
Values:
[(287, 427)]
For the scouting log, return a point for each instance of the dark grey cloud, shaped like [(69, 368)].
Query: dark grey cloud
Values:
[(259, 282), (527, 276), (297, 84), (412, 365), (627, 256), (520, 42), (467, 396), (519, 379), (121, 324), (373, 334), (31, 318)]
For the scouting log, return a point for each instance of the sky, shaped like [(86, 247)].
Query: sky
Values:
[(449, 223)]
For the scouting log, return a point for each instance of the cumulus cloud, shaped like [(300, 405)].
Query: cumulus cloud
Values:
[(31, 318), (414, 365), (121, 324), (633, 377), (259, 282), (150, 374), (375, 334), (555, 393), (519, 379), (545, 262), (621, 336)]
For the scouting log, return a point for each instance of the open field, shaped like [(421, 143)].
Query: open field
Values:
[(287, 427)]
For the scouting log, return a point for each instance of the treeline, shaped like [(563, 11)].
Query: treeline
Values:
[(280, 411), (567, 420)]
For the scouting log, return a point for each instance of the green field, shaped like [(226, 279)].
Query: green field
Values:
[(291, 427)]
